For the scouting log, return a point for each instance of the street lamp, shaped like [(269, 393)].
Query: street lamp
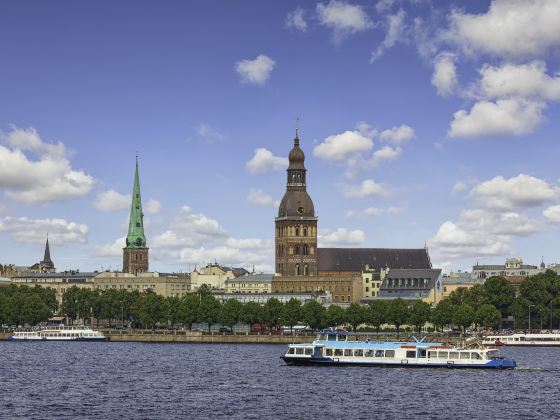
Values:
[(530, 318)]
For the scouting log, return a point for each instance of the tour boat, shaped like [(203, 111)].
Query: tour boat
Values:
[(343, 348), (59, 333), (534, 339)]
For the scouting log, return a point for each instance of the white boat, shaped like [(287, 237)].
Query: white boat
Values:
[(534, 339), (59, 333), (342, 348)]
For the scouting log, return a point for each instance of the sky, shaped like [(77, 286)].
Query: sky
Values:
[(424, 123)]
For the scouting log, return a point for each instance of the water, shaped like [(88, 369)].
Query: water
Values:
[(168, 381)]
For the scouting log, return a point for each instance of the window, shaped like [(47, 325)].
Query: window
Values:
[(308, 351), (359, 353), (297, 249), (464, 355), (328, 352), (304, 231), (348, 352), (291, 350), (299, 350), (476, 356), (297, 270), (389, 353), (453, 355), (338, 352), (443, 354), (297, 231), (410, 354), (369, 353), (432, 354), (378, 353), (305, 270)]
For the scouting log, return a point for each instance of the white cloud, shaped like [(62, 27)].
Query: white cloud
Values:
[(510, 28), (552, 214), (385, 153), (261, 199), (458, 187), (60, 231), (503, 117), (445, 74), (343, 147), (264, 161), (111, 250), (398, 135), (368, 188), (525, 80), (209, 133), (522, 191), (296, 20), (395, 30), (257, 71), (112, 200), (152, 207), (369, 212), (395, 210), (48, 178), (340, 237), (343, 18)]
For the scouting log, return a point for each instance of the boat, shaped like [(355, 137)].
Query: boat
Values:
[(350, 349), (59, 333), (533, 340)]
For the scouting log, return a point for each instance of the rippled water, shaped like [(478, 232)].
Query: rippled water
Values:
[(155, 381)]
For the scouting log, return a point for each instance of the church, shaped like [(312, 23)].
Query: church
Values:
[(303, 267)]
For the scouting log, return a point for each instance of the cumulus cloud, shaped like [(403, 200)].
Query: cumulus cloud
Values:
[(384, 154), (261, 199), (343, 147), (343, 18), (510, 28), (340, 237), (296, 20), (398, 135), (264, 161), (209, 134), (47, 178), (552, 214), (445, 74), (395, 30), (112, 200), (152, 207), (362, 214), (368, 188), (522, 191), (111, 250), (504, 117), (257, 71), (60, 231)]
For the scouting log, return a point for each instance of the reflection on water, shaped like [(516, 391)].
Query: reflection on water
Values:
[(130, 380)]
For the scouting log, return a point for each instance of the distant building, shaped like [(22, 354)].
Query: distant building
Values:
[(164, 284), (512, 267), (60, 282), (342, 288), (262, 298), (46, 265), (214, 276), (371, 280), (453, 281), (250, 283), (135, 254)]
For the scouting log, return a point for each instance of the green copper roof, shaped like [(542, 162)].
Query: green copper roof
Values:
[(136, 237)]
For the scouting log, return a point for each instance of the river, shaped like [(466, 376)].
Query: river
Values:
[(170, 381)]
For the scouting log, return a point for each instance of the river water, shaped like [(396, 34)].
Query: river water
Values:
[(169, 381)]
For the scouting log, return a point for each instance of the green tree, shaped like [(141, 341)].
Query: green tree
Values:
[(230, 313), (172, 311), (500, 293), (397, 313), (291, 313), (152, 309), (376, 314), (487, 316), (34, 310), (464, 316), (334, 316), (209, 310), (188, 310), (71, 303), (355, 315), (420, 313), (442, 315), (272, 312), (251, 313), (313, 314)]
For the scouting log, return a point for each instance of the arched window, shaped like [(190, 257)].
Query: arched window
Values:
[(305, 250), (297, 249), (297, 231), (297, 270), (305, 270), (304, 231)]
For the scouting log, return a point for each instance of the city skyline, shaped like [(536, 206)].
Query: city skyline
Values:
[(420, 124)]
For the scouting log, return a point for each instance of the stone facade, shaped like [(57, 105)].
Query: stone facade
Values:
[(342, 289), (167, 285), (135, 260)]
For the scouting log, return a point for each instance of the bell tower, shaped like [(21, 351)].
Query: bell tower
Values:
[(296, 224), (135, 254)]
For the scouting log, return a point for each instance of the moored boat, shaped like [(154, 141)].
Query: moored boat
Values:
[(59, 333), (532, 340), (348, 349)]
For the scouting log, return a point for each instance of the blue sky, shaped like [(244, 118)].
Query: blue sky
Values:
[(421, 122)]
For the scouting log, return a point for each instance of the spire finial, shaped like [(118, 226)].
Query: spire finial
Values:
[(296, 140)]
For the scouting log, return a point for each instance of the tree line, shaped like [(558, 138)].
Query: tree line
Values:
[(21, 305)]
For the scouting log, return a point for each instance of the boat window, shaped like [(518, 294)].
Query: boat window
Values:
[(299, 350), (378, 353), (291, 350), (493, 355), (421, 352), (369, 353), (308, 351), (359, 353), (476, 356), (331, 337), (341, 337), (328, 352), (442, 354), (410, 354), (389, 353), (338, 352), (432, 354), (348, 352), (453, 355), (464, 355)]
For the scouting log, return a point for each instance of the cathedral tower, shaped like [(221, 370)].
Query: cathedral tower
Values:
[(296, 224), (135, 254)]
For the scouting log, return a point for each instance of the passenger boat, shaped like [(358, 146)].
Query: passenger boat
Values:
[(535, 339), (343, 348), (59, 333)]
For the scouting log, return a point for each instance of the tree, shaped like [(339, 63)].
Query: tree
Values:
[(251, 313), (397, 313), (188, 310), (500, 293), (464, 316), (152, 309), (291, 313), (230, 312), (272, 312), (209, 310), (71, 303), (334, 316), (172, 304), (313, 314), (355, 314), (442, 315), (487, 316), (376, 314), (34, 310), (420, 313)]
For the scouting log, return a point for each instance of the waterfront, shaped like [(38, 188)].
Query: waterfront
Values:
[(139, 380)]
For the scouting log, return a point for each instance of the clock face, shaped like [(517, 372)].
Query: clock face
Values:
[(300, 210)]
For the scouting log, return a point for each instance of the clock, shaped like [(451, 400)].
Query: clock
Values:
[(300, 209)]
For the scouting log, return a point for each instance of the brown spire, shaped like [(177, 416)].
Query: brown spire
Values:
[(47, 258)]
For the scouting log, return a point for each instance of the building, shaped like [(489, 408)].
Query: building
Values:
[(512, 267), (300, 266), (167, 285), (46, 265), (453, 281), (412, 285), (135, 254), (262, 298), (250, 283), (60, 282), (214, 276)]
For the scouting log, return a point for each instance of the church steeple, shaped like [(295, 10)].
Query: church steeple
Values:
[(47, 258), (135, 254)]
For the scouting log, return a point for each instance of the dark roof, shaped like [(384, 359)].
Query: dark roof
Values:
[(354, 259)]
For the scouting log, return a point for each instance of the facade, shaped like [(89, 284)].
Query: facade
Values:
[(213, 275), (371, 281), (60, 282), (343, 289), (296, 224), (412, 285), (250, 283), (167, 285), (453, 281), (262, 298), (135, 254), (512, 267), (46, 265)]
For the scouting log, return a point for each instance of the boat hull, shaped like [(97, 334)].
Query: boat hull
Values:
[(98, 339)]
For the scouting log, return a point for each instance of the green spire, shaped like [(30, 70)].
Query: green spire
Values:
[(136, 238)]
